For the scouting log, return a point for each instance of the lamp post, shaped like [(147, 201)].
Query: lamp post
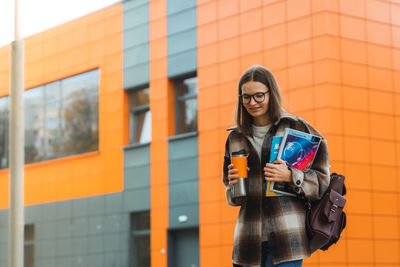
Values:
[(16, 211)]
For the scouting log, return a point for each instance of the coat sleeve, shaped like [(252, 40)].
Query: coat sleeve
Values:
[(313, 182), (227, 161)]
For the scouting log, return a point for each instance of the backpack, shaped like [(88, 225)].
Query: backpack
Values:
[(325, 218)]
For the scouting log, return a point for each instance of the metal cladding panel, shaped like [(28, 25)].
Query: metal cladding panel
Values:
[(137, 177), (136, 43), (137, 156), (184, 193), (176, 6), (137, 168), (182, 37), (182, 170), (184, 216), (137, 75), (183, 182), (182, 148), (181, 63), (137, 200)]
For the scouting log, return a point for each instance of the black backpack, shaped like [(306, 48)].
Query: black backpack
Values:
[(325, 218)]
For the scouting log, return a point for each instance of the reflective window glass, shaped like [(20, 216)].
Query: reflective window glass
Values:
[(186, 108), (61, 118), (140, 239), (4, 131), (29, 245), (140, 116)]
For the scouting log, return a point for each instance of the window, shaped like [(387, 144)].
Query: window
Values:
[(61, 118), (186, 105), (140, 116), (4, 131), (29, 248), (140, 239)]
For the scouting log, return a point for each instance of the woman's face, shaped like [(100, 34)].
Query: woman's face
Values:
[(252, 91)]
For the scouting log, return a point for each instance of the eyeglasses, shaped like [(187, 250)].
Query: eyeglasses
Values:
[(258, 97)]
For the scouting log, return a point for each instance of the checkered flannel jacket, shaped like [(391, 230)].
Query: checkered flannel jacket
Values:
[(284, 216)]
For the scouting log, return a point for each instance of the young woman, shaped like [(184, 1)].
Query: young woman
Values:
[(270, 231)]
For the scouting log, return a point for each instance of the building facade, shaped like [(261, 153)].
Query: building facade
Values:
[(126, 111)]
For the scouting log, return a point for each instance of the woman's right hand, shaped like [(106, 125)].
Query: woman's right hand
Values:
[(232, 174)]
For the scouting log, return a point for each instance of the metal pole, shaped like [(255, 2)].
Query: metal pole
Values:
[(16, 212)]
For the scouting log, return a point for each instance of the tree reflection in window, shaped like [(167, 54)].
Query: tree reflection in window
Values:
[(80, 116), (61, 118)]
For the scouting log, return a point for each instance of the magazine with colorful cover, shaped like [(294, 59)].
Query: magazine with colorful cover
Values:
[(298, 150)]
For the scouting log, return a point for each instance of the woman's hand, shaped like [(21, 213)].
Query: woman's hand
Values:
[(232, 176), (277, 172)]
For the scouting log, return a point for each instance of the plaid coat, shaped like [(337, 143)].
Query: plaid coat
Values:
[(284, 216)]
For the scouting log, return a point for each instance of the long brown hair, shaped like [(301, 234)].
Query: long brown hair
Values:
[(260, 74)]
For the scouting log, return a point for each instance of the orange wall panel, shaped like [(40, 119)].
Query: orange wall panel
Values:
[(62, 52), (336, 63)]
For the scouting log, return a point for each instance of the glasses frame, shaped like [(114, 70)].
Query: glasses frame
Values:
[(254, 97)]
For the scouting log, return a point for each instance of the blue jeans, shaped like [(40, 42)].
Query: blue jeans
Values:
[(266, 260)]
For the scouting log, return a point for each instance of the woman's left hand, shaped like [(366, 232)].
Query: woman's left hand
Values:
[(277, 172)]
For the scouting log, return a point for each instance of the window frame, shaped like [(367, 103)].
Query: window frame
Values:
[(134, 234), (29, 244), (178, 82), (43, 107), (134, 111)]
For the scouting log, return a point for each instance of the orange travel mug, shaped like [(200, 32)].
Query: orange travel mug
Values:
[(239, 161)]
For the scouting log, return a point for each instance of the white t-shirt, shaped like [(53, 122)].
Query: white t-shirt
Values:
[(257, 140)]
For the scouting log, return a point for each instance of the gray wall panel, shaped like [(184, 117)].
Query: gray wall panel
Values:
[(80, 227), (184, 193), (191, 211), (136, 43), (182, 148), (132, 40), (113, 203), (136, 54), (96, 205), (183, 180), (137, 156), (63, 229), (80, 207), (137, 74), (181, 21), (80, 246), (179, 68), (63, 247), (134, 16), (176, 6), (137, 200), (181, 42), (183, 169), (182, 37), (71, 236), (112, 224), (137, 177), (95, 260), (46, 230)]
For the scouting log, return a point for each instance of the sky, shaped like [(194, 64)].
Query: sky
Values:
[(39, 15)]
